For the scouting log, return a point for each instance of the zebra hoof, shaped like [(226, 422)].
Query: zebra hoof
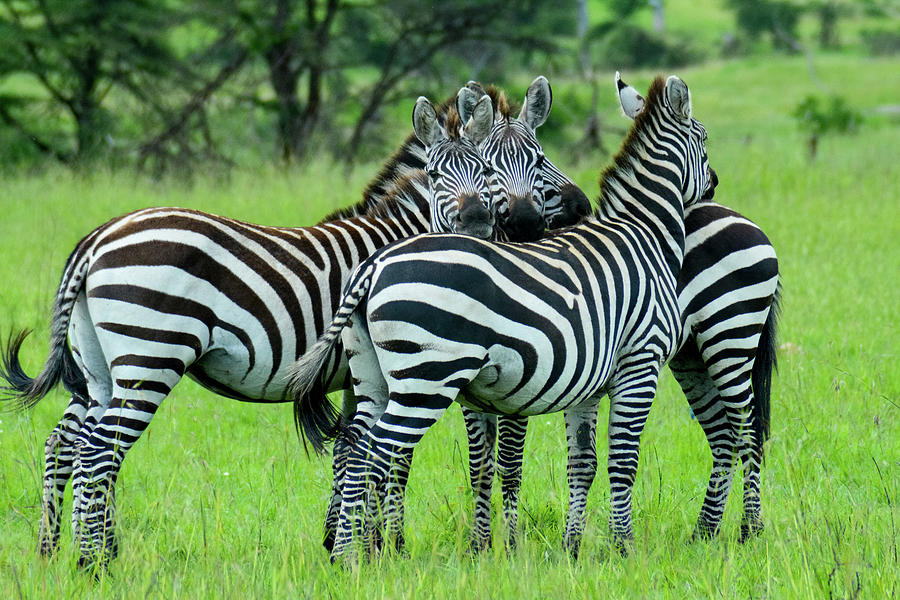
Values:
[(704, 532), (750, 530), (328, 541), (479, 545), (573, 547), (91, 566)]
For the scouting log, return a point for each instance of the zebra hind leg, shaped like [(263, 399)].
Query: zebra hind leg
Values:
[(703, 397), (384, 453), (59, 454), (510, 450), (481, 431), (581, 468), (137, 393)]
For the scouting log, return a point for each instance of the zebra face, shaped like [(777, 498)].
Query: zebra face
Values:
[(517, 161), (699, 179), (460, 194), (457, 174), (687, 133), (517, 158)]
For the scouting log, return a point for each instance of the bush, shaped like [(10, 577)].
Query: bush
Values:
[(881, 42), (817, 117), (629, 46)]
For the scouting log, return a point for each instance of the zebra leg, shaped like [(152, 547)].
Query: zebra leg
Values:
[(384, 451), (703, 397), (510, 450), (361, 408), (59, 452), (351, 431), (138, 391), (735, 389), (630, 398), (581, 467), (481, 431)]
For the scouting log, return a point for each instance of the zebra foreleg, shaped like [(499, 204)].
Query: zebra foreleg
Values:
[(581, 468), (510, 450), (481, 431), (630, 398), (59, 455)]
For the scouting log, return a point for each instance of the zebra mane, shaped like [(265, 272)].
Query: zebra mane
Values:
[(632, 146), (504, 108), (348, 212), (406, 195)]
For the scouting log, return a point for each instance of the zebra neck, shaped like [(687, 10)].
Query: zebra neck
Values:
[(647, 196), (409, 157)]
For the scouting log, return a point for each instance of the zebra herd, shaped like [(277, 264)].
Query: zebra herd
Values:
[(521, 302)]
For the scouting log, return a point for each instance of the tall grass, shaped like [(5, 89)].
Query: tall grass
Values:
[(219, 500)]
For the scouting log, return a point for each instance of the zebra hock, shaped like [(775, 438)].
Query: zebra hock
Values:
[(229, 304), (728, 294), (543, 327)]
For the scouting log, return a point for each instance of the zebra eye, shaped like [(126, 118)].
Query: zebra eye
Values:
[(488, 171), (434, 174)]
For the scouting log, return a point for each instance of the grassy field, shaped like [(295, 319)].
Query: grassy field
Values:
[(219, 500)]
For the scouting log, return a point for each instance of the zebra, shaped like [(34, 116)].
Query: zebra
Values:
[(517, 164), (586, 312), (228, 303), (729, 295)]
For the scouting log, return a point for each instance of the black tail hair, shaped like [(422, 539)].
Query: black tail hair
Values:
[(314, 416), (27, 391), (761, 378)]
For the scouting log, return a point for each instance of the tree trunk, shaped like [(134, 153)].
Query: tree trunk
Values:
[(85, 107)]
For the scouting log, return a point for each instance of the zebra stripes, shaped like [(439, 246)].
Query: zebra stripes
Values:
[(523, 329), (728, 293)]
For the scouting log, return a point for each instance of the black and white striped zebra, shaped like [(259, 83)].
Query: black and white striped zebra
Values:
[(728, 293), (523, 329), (161, 293), (517, 190)]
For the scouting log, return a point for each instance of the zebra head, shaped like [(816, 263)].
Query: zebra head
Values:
[(699, 179), (457, 174), (531, 193)]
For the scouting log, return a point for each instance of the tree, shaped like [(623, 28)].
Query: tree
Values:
[(78, 51)]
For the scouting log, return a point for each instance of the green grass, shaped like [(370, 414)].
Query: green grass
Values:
[(218, 499)]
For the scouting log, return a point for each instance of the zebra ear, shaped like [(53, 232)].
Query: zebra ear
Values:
[(678, 97), (536, 106), (479, 124), (465, 103), (425, 122), (632, 102)]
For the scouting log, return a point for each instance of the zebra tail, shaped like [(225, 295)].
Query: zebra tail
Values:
[(317, 421), (765, 364), (60, 364)]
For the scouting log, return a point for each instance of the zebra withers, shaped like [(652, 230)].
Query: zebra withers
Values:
[(524, 329)]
